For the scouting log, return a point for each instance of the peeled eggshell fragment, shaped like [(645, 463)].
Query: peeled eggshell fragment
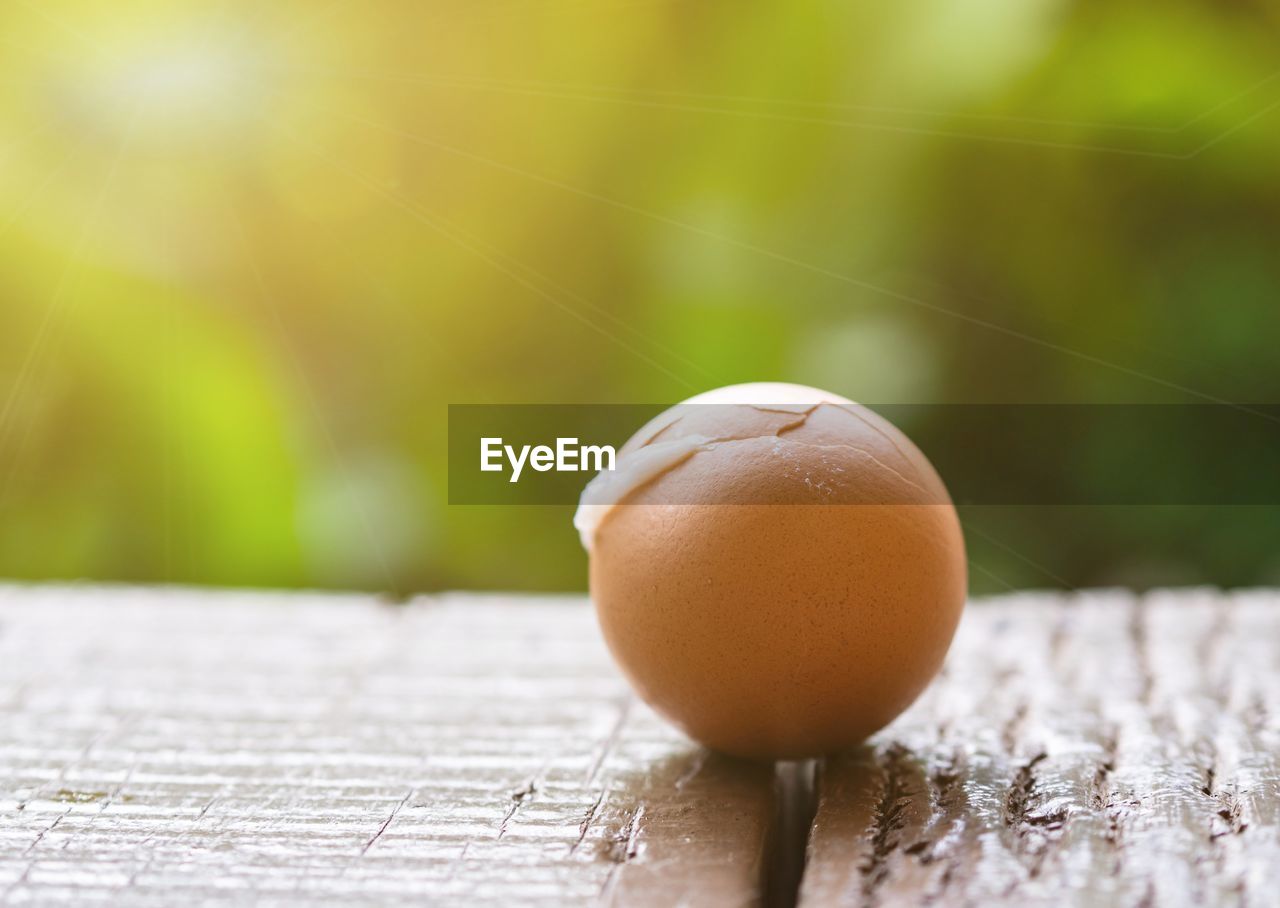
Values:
[(778, 571)]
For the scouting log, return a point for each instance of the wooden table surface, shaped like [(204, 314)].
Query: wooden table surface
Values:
[(162, 747)]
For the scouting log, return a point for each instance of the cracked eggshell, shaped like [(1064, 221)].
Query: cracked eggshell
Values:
[(789, 585)]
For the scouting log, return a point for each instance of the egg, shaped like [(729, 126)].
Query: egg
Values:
[(776, 570)]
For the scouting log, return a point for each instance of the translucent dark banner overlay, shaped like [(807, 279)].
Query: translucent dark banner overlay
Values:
[(986, 454)]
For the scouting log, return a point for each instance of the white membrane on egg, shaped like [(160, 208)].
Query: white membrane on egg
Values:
[(632, 471), (635, 468), (771, 395)]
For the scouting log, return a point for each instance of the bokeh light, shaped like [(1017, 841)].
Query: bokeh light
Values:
[(249, 252)]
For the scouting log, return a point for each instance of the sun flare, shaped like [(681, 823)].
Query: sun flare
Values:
[(163, 85)]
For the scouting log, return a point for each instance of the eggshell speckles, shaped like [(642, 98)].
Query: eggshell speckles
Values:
[(787, 589)]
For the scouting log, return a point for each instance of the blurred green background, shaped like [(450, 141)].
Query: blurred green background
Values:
[(249, 252)]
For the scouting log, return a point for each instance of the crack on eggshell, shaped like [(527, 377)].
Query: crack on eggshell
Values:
[(799, 423), (661, 430), (608, 490), (853, 410), (642, 466), (656, 435), (804, 409), (776, 433), (718, 439)]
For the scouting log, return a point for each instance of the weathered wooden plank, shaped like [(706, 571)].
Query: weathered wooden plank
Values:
[(170, 746), (161, 746), (1097, 749)]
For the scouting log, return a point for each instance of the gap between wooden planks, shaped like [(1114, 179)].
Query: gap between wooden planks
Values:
[(230, 748)]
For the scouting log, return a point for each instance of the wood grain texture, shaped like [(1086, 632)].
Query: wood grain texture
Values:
[(170, 747), (1096, 749)]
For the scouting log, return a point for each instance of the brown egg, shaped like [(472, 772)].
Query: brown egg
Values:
[(777, 571)]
